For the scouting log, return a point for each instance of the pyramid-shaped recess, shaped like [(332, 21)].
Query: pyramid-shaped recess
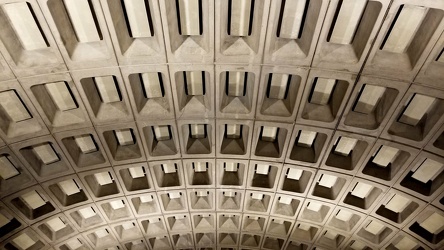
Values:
[(229, 224), (61, 119), (170, 180), (182, 240), (160, 148), (203, 223), (233, 146), (237, 47), (288, 48), (174, 204), (228, 239), (91, 159), (160, 243), (285, 209), (278, 228), (252, 225), (284, 48), (234, 105), (204, 239), (229, 203), (257, 205), (156, 106), (231, 178), (153, 227), (250, 240), (137, 45), (202, 203), (179, 224), (117, 109), (201, 178), (276, 107), (194, 103), (191, 45), (198, 146), (268, 149)]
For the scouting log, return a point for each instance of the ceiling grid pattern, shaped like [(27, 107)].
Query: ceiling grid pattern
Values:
[(221, 124)]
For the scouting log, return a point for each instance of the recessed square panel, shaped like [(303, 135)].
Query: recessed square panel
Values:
[(82, 20), (24, 25), (407, 24), (347, 22)]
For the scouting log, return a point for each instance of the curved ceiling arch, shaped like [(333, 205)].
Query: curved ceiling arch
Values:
[(221, 124)]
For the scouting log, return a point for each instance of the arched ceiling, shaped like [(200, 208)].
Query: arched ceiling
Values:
[(221, 124)]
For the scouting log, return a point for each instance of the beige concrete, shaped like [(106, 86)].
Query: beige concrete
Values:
[(120, 127), (406, 63), (300, 51), (246, 42), (143, 41)]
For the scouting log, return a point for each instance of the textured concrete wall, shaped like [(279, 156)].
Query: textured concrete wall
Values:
[(222, 124)]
